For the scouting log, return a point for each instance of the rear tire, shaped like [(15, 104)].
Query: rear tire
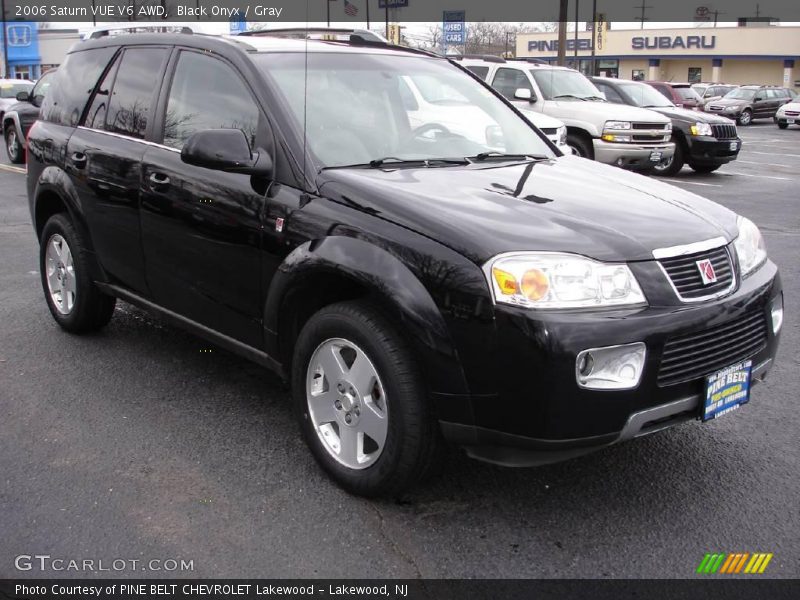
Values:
[(361, 403), (16, 154), (75, 302), (581, 145), (675, 164), (705, 168)]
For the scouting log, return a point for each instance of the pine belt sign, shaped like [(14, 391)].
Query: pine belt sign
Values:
[(454, 26)]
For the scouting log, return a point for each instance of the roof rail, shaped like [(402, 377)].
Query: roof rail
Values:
[(355, 36), (536, 61), (486, 57), (99, 32)]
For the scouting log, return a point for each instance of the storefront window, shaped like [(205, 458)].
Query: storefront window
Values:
[(637, 74), (695, 74)]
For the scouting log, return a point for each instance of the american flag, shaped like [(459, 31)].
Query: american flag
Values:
[(350, 9)]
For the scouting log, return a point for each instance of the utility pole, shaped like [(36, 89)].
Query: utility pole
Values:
[(5, 38), (367, 3), (563, 6), (594, 36), (577, 5), (643, 18)]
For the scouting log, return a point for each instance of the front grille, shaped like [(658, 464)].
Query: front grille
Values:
[(698, 354), (791, 113), (650, 138), (660, 126), (684, 273), (714, 107), (724, 132)]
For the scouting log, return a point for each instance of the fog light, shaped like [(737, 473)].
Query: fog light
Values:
[(611, 368), (777, 314)]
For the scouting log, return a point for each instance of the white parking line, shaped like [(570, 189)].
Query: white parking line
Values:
[(695, 183), (759, 176), (12, 169), (763, 164), (770, 153)]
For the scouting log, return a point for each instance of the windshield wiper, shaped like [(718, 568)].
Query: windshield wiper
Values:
[(483, 156), (395, 161), (596, 98), (569, 96), (655, 106)]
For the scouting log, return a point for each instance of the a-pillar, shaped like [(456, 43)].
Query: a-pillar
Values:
[(716, 70), (653, 72)]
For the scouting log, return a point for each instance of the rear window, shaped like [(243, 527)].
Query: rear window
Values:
[(481, 72), (73, 84), (687, 93)]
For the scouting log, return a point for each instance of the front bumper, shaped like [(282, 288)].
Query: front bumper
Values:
[(540, 415), (706, 150), (630, 156)]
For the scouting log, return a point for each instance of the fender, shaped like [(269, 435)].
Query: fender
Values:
[(408, 301), (13, 117)]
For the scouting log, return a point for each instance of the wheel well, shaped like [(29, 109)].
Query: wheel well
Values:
[(316, 291), (585, 136), (6, 124), (47, 205)]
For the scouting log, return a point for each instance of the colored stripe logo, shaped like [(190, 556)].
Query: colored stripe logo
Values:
[(734, 564)]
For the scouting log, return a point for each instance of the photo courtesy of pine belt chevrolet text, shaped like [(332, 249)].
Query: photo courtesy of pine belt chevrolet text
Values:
[(398, 240)]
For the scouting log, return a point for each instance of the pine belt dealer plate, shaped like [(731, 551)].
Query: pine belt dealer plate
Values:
[(655, 156), (727, 389)]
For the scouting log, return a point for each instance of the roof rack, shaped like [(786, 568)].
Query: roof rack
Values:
[(535, 61), (355, 36), (486, 57), (99, 32)]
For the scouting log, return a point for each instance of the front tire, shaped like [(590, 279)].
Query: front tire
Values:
[(361, 403), (746, 118), (14, 149), (674, 164), (581, 146), (72, 297), (705, 168), (782, 124)]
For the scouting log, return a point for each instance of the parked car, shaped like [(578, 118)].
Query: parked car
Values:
[(703, 141), (412, 285), (712, 91), (625, 136), (750, 102), (19, 117), (681, 95), (9, 88), (426, 101), (788, 114)]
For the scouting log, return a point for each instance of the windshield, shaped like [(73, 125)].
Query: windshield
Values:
[(360, 108), (10, 90), (558, 84), (643, 95), (741, 94), (700, 88), (687, 93)]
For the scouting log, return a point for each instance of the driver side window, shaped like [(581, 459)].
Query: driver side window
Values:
[(507, 81)]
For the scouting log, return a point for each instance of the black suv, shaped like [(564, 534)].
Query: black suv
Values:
[(279, 198), (703, 141)]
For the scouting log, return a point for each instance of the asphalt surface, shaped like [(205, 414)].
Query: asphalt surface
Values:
[(135, 444)]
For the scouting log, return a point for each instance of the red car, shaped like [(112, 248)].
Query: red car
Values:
[(680, 94)]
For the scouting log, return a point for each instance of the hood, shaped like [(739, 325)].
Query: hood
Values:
[(541, 120), (567, 204), (23, 108), (691, 116), (594, 110), (5, 103), (791, 106), (730, 102)]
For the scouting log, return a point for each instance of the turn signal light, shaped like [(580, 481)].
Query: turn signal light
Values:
[(506, 282)]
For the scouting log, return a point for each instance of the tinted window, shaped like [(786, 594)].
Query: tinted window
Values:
[(137, 80), (767, 94), (664, 90), (40, 89), (611, 94), (10, 90), (481, 72), (207, 94), (73, 84), (507, 81), (687, 93), (96, 115)]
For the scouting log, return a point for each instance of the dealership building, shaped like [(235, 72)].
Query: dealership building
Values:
[(31, 50), (766, 55)]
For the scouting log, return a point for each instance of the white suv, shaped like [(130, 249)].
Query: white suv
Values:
[(626, 136)]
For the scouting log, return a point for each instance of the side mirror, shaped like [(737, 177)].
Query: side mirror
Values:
[(225, 150), (758, 99), (23, 97), (524, 94)]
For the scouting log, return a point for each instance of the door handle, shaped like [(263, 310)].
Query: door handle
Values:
[(158, 181), (78, 160)]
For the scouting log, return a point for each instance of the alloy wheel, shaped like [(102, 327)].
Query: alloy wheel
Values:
[(61, 281)]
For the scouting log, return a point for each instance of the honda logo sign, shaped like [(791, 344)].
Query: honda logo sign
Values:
[(18, 35)]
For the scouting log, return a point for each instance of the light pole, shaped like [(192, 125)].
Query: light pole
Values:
[(5, 38)]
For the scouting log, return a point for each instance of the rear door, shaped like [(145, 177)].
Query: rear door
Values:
[(104, 159), (202, 229), (762, 102)]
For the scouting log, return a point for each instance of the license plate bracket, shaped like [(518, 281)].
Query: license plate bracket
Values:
[(727, 390), (655, 156), (734, 146)]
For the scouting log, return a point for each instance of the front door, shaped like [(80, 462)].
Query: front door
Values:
[(202, 229)]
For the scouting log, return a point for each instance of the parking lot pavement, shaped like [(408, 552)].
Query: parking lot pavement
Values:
[(134, 443)]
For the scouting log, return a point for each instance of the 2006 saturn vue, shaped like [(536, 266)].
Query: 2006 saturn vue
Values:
[(290, 201)]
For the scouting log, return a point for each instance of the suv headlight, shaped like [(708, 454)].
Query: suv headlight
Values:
[(552, 280), (701, 129), (617, 125), (749, 246)]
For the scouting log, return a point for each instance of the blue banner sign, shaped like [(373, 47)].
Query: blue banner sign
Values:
[(454, 26)]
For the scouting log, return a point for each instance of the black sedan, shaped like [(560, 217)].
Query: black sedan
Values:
[(704, 141)]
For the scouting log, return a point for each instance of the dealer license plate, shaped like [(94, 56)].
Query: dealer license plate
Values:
[(734, 145), (727, 389), (790, 121), (655, 156)]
